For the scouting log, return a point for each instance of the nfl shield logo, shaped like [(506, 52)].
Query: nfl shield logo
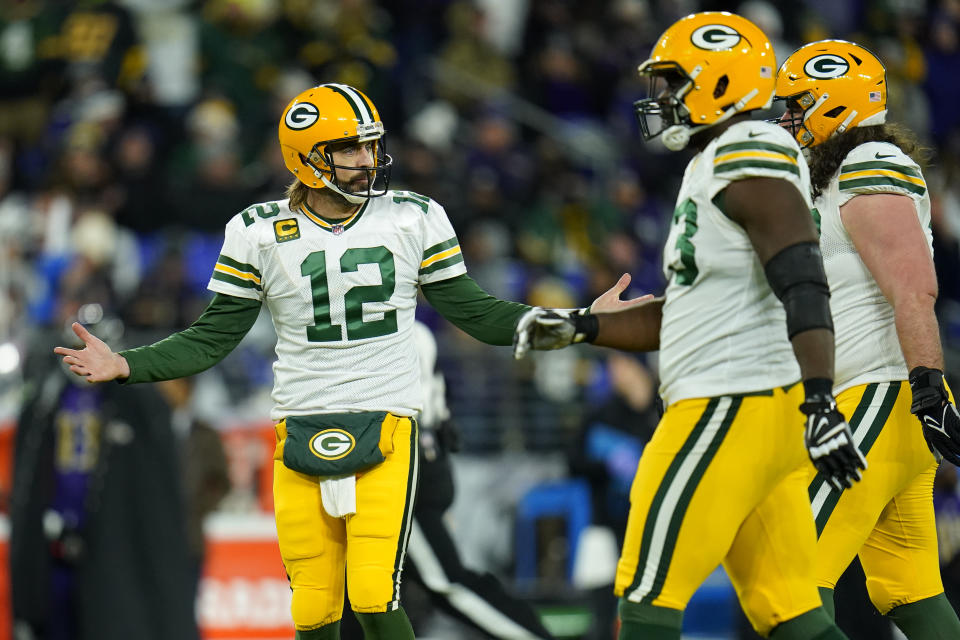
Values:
[(337, 229)]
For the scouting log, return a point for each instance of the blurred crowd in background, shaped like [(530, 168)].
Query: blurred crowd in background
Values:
[(132, 131)]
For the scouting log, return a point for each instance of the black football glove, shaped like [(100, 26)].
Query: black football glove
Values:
[(543, 329), (938, 417), (829, 441)]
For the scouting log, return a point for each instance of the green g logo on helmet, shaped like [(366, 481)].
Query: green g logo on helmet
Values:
[(332, 444), (715, 37), (301, 115), (826, 66)]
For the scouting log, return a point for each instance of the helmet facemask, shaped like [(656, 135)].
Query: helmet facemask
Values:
[(668, 84), (798, 110), (320, 160)]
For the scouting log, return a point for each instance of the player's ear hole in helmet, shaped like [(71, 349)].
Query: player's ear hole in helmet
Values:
[(329, 118)]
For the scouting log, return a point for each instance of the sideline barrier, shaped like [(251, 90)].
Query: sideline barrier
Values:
[(244, 594)]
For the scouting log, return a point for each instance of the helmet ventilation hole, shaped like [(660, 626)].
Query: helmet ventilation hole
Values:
[(721, 87), (833, 113)]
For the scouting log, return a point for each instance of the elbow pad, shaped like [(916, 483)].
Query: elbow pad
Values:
[(797, 278)]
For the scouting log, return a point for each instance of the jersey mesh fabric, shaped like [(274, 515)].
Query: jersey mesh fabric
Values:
[(342, 296), (868, 349), (723, 329)]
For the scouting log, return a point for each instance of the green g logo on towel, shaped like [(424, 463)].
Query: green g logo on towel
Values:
[(332, 444)]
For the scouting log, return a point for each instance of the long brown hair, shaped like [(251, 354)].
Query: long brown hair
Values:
[(825, 158), (297, 192)]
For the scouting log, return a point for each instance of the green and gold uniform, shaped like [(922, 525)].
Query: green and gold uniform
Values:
[(723, 479), (887, 519), (342, 295)]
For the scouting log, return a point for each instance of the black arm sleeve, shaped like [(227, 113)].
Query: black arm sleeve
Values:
[(798, 279), (461, 301), (203, 344)]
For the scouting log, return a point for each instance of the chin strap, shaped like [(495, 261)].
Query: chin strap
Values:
[(349, 197), (816, 105), (846, 122), (877, 118), (677, 137)]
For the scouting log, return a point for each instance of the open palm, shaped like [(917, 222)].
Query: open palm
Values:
[(610, 302), (96, 361)]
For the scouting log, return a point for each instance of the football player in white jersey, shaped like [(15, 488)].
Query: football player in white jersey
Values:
[(724, 478), (873, 210), (338, 264)]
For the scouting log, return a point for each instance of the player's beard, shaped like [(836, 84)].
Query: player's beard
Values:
[(330, 199), (359, 185)]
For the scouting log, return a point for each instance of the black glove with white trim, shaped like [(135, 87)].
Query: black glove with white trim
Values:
[(938, 417), (544, 329), (828, 438)]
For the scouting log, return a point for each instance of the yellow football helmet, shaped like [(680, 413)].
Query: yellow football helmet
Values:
[(830, 86), (704, 69), (326, 115)]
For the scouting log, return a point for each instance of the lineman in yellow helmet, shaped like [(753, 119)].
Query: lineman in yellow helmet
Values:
[(873, 210), (745, 318)]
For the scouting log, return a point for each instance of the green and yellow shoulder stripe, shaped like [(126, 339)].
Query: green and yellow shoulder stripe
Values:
[(881, 176), (747, 155), (440, 256), (237, 273)]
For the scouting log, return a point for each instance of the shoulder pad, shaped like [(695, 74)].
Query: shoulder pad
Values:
[(412, 198), (757, 130), (755, 147), (880, 167), (261, 211)]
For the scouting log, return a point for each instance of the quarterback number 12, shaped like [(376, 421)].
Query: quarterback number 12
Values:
[(314, 267)]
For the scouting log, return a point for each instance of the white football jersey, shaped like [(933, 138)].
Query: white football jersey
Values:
[(342, 295), (868, 349), (723, 330)]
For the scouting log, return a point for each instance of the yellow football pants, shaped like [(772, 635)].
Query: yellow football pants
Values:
[(364, 550), (887, 518), (724, 480)]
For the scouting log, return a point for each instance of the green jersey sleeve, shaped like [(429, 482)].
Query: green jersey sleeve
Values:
[(203, 344), (461, 301)]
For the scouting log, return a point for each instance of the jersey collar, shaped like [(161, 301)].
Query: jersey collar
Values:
[(334, 226)]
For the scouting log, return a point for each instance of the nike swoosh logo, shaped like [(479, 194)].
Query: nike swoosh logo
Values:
[(822, 424), (754, 134), (883, 157)]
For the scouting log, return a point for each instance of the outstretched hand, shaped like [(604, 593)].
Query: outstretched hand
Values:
[(96, 361), (609, 301)]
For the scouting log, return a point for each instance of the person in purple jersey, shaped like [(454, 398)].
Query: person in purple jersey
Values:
[(98, 545)]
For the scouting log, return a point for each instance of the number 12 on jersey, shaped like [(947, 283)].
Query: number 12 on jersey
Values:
[(314, 266)]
